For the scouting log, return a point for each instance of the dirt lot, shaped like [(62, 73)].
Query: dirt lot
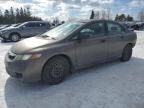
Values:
[(110, 85)]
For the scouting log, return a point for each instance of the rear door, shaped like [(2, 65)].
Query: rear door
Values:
[(116, 40)]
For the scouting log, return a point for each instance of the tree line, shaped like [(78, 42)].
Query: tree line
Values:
[(123, 17), (104, 14), (18, 15), (107, 15)]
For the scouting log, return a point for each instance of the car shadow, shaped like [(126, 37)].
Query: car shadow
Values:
[(38, 95), (7, 43)]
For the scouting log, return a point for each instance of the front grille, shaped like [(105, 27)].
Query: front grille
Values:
[(11, 56), (14, 74), (18, 75)]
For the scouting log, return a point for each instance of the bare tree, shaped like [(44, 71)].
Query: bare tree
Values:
[(141, 15), (103, 15), (97, 15)]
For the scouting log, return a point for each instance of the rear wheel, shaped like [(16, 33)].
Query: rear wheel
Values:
[(127, 53), (55, 70), (14, 37)]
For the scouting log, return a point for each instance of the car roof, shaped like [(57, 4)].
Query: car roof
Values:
[(93, 20), (36, 22)]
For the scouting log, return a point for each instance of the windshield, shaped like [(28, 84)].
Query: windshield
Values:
[(63, 30), (21, 24), (16, 25)]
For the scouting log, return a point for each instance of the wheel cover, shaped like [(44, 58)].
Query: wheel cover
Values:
[(57, 70), (15, 38)]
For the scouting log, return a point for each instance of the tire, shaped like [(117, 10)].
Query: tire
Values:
[(15, 37), (127, 53), (3, 41), (56, 70)]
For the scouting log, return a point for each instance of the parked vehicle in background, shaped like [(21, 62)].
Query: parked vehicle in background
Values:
[(142, 27), (127, 26), (135, 27), (55, 54), (4, 26), (24, 30), (9, 26)]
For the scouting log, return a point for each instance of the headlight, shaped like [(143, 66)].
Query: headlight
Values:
[(28, 56), (2, 32)]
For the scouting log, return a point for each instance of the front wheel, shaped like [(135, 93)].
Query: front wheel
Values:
[(14, 37), (127, 53), (3, 41), (55, 70)]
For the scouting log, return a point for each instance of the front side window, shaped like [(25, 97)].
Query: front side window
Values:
[(93, 30), (114, 28), (30, 25)]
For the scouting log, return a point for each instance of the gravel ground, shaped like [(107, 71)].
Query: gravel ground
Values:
[(109, 85)]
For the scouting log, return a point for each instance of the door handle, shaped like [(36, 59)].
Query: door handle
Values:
[(103, 41)]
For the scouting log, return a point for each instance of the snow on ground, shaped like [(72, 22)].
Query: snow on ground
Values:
[(109, 85)]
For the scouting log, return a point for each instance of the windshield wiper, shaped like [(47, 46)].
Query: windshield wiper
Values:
[(45, 36)]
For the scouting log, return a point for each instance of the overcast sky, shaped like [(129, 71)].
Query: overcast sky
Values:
[(74, 8)]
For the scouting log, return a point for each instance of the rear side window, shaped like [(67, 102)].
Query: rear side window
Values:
[(114, 28), (93, 30)]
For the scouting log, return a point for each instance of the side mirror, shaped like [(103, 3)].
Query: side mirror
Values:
[(79, 37)]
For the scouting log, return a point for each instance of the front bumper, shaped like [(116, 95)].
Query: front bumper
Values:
[(1, 38), (28, 70), (4, 36)]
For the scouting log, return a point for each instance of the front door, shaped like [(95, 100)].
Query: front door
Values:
[(29, 30), (41, 28), (93, 46)]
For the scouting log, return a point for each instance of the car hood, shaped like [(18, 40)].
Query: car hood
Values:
[(9, 28), (30, 44)]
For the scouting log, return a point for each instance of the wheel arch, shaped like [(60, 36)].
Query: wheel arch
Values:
[(14, 33), (60, 55)]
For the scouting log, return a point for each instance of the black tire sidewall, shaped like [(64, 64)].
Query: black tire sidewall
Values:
[(127, 53), (3, 41), (11, 36), (46, 75)]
